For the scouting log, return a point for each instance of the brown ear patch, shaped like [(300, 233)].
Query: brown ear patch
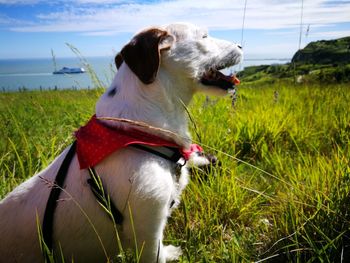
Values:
[(142, 54), (118, 60)]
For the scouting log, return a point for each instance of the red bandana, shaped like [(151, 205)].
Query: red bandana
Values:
[(96, 141)]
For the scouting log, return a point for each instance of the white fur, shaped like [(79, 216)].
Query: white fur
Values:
[(140, 184)]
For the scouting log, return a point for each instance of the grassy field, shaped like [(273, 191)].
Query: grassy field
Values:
[(281, 194)]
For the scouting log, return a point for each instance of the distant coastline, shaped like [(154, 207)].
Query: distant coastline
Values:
[(323, 61), (36, 74)]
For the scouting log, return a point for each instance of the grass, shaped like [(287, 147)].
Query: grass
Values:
[(281, 194), (35, 127)]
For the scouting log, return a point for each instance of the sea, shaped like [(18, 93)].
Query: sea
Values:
[(37, 74)]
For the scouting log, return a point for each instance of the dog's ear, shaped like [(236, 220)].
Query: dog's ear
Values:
[(118, 60), (142, 53)]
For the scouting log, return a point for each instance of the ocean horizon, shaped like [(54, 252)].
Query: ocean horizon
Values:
[(37, 74)]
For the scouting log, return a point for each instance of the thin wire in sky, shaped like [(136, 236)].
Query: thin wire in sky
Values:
[(301, 23), (243, 22)]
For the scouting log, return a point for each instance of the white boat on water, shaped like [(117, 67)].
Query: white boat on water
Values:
[(66, 70)]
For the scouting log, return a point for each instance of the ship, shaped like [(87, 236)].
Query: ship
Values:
[(66, 70)]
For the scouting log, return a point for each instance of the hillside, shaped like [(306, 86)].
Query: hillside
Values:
[(324, 52), (319, 61)]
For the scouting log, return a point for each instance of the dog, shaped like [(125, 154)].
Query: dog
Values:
[(159, 71)]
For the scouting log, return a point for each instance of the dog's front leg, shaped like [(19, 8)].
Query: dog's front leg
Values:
[(143, 226), (144, 232)]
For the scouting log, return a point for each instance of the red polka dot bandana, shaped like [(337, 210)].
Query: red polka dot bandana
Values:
[(96, 141)]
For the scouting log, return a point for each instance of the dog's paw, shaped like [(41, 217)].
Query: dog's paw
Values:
[(205, 165), (172, 253), (201, 159)]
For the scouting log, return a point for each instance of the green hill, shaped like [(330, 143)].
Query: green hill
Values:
[(325, 52), (319, 61)]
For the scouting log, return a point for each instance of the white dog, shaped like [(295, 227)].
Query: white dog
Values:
[(160, 69)]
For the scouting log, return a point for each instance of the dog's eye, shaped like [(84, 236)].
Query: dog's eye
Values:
[(205, 36)]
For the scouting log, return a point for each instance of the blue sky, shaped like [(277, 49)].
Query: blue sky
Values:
[(31, 28)]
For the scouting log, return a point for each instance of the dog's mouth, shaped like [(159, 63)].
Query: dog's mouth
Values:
[(213, 77)]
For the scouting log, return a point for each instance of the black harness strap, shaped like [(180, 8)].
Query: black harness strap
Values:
[(103, 198), (47, 226), (97, 188), (173, 154)]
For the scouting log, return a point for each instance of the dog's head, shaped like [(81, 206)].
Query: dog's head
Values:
[(184, 53)]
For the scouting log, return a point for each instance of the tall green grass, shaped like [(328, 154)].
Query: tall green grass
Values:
[(35, 127), (281, 193)]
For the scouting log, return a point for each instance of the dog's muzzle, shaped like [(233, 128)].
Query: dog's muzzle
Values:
[(214, 77)]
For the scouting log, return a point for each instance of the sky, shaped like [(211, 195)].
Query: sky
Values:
[(271, 28)]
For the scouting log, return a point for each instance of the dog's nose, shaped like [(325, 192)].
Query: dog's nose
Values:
[(239, 46)]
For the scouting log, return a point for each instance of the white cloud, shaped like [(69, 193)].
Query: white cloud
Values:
[(123, 16), (330, 34)]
